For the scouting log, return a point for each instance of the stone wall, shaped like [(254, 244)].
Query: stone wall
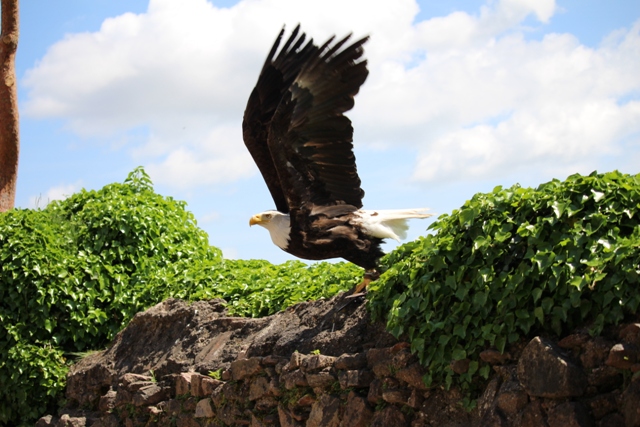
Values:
[(180, 365)]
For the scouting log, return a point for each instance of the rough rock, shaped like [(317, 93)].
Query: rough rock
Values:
[(107, 402), (631, 404), (605, 378), (178, 337), (631, 334), (258, 388), (69, 421), (244, 368), (384, 361), (574, 341), (612, 420), (603, 404), (494, 418), (90, 379), (412, 375), (357, 412), (325, 412), (494, 357), (133, 382), (595, 352), (204, 409), (398, 396), (184, 420), (375, 391), (149, 395), (306, 400), (172, 407), (46, 421), (533, 415), (296, 361), (323, 379), (380, 361), (544, 371), (204, 385), (357, 379), (511, 398), (389, 417), (569, 414), (415, 399), (488, 396), (294, 379), (623, 356), (286, 418), (325, 363), (183, 383), (460, 366), (317, 362), (349, 362)]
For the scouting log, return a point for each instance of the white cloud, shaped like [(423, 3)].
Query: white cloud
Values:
[(468, 91), (479, 110), (59, 192), (217, 158)]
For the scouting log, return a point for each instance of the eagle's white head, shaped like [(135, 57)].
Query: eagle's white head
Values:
[(277, 223)]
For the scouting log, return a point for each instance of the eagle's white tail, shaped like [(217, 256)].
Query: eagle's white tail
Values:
[(389, 224)]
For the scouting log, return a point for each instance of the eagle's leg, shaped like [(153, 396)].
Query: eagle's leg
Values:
[(369, 276)]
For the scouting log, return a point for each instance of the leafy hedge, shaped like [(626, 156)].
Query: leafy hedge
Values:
[(257, 288), (73, 274), (511, 263)]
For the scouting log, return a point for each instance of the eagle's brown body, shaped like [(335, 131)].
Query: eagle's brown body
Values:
[(333, 235)]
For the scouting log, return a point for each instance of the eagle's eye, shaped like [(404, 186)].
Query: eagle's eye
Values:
[(267, 216)]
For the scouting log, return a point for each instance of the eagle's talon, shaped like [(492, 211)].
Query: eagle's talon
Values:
[(369, 276), (372, 275), (362, 285)]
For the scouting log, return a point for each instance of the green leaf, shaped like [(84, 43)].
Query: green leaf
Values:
[(536, 293), (460, 331), (467, 216), (480, 299), (459, 353), (484, 371), (558, 208), (538, 312)]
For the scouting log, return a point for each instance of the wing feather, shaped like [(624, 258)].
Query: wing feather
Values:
[(276, 77), (310, 138)]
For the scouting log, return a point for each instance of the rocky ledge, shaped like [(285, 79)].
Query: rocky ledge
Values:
[(324, 363)]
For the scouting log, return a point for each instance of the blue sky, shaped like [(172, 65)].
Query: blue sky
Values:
[(462, 96)]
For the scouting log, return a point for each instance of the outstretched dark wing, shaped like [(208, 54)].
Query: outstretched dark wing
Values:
[(310, 138), (275, 80)]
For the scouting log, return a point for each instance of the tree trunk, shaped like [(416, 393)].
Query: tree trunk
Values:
[(9, 136)]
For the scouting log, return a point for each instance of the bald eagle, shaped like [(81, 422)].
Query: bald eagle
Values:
[(296, 131)]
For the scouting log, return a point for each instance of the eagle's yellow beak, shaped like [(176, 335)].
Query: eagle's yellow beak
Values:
[(255, 220)]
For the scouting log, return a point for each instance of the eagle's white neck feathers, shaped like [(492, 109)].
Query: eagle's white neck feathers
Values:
[(279, 226)]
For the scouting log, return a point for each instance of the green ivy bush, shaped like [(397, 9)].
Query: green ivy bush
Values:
[(32, 376), (512, 263), (74, 273), (70, 278), (257, 288)]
